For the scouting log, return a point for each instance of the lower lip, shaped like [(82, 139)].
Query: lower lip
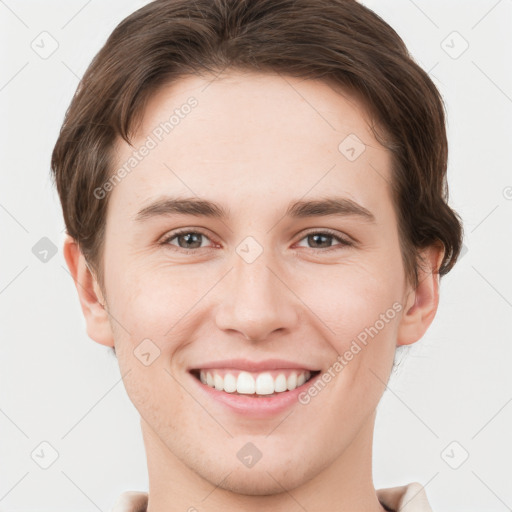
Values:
[(256, 406)]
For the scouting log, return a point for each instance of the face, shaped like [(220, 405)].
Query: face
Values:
[(273, 291)]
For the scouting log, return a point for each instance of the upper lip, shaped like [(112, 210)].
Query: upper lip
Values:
[(253, 366)]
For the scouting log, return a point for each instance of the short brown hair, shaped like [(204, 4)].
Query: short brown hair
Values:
[(338, 41)]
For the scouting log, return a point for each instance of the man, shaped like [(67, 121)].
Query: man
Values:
[(255, 199)]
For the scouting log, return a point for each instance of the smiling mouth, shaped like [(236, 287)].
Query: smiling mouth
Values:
[(266, 383)]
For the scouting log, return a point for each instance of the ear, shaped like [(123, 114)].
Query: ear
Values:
[(90, 295), (421, 303)]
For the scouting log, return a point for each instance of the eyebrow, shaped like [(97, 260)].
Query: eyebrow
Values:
[(339, 206)]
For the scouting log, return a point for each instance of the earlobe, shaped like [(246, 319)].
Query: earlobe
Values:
[(421, 303), (91, 299)]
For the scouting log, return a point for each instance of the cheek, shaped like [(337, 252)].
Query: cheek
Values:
[(157, 303), (359, 312), (360, 309), (163, 301), (349, 299), (149, 319)]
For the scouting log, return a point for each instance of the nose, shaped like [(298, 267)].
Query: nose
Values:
[(257, 300)]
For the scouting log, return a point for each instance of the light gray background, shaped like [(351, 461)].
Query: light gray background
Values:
[(58, 386)]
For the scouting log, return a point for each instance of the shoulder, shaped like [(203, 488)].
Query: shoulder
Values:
[(131, 501), (406, 498)]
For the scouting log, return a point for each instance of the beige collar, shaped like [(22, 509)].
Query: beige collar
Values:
[(407, 498)]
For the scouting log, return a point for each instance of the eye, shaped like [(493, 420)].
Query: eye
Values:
[(186, 238), (316, 237), (190, 239)]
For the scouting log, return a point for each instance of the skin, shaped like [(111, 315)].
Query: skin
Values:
[(254, 143)]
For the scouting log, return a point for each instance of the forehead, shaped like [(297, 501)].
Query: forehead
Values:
[(242, 105), (256, 134)]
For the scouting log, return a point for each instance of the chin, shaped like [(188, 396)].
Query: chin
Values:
[(264, 480), (256, 484)]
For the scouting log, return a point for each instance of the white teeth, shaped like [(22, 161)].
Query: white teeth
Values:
[(264, 384), (291, 382), (229, 383), (245, 383), (219, 384), (280, 383)]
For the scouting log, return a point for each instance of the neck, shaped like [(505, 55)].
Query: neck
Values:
[(343, 486)]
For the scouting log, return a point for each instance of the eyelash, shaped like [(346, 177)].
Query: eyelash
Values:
[(326, 232)]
